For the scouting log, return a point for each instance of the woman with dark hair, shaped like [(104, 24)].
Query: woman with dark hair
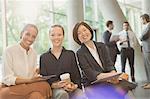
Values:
[(19, 70), (93, 56)]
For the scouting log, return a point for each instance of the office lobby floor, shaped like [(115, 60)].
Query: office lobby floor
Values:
[(139, 93)]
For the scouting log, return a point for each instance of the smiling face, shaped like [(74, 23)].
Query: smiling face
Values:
[(28, 36), (111, 26), (84, 34), (56, 36), (126, 26)]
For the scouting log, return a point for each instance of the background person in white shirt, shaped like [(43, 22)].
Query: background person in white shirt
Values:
[(127, 43), (19, 75)]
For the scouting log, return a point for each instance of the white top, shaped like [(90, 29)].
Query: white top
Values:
[(132, 39), (145, 25), (18, 63), (95, 55)]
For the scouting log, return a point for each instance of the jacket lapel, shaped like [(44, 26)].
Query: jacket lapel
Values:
[(89, 56), (99, 50)]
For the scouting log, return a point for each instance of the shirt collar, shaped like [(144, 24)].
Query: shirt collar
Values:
[(146, 24), (24, 50), (97, 45), (125, 31), (63, 49)]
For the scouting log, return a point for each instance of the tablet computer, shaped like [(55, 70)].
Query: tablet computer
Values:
[(128, 84), (48, 77), (114, 38), (106, 78)]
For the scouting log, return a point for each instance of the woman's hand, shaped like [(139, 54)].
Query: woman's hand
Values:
[(36, 79), (105, 75), (36, 72), (113, 81), (59, 84), (124, 76), (22, 80), (70, 87), (116, 81)]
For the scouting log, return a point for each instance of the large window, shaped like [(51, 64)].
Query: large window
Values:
[(132, 14), (94, 17), (43, 13)]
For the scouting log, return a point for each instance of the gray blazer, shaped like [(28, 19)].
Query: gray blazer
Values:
[(145, 38)]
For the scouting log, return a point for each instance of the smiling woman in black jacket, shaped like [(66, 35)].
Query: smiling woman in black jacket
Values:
[(93, 56)]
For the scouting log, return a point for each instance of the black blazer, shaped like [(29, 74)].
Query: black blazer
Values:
[(89, 65), (111, 45)]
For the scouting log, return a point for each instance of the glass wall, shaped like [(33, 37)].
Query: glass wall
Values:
[(132, 14), (43, 13), (94, 17)]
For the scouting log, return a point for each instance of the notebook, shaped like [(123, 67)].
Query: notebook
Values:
[(106, 78)]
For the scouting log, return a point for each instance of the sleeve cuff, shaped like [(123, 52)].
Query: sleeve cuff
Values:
[(10, 81), (111, 68)]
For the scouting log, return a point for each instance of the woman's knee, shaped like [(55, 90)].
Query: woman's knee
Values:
[(60, 94), (36, 95), (4, 93), (45, 87), (64, 94)]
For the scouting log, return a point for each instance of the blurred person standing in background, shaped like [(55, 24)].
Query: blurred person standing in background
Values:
[(145, 38), (112, 46)]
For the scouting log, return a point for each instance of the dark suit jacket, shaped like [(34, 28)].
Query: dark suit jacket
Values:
[(50, 65), (89, 65), (111, 45)]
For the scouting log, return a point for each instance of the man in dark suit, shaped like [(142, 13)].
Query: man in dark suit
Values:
[(112, 46), (145, 38)]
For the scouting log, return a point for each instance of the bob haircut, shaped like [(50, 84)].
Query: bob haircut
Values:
[(75, 31)]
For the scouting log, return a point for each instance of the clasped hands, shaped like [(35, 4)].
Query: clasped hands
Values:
[(67, 85)]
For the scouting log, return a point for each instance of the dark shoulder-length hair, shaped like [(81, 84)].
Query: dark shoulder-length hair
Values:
[(75, 31)]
